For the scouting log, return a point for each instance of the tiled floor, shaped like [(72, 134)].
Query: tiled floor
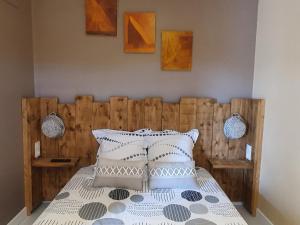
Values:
[(259, 220), (30, 219)]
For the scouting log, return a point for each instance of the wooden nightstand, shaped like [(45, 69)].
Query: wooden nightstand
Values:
[(230, 164), (55, 162)]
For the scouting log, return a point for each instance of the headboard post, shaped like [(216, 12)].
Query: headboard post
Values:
[(49, 148), (31, 134), (255, 139)]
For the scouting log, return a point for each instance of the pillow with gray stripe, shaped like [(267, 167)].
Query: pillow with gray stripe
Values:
[(121, 145), (171, 146), (119, 174), (179, 175)]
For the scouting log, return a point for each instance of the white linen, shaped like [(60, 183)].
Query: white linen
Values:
[(79, 203)]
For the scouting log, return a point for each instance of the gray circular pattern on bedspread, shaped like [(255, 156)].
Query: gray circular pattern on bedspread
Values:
[(92, 211), (137, 198), (211, 199), (119, 194), (191, 196), (108, 221), (116, 207), (177, 213), (199, 222), (198, 209), (62, 196)]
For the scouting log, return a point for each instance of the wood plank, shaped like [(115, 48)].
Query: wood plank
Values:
[(188, 113), (101, 120), (248, 175), (118, 113), (49, 148), (237, 150), (35, 133), (48, 163), (257, 143), (220, 144), (204, 123), (153, 113), (33, 192), (27, 157), (252, 177), (84, 122), (170, 116), (136, 114), (67, 113), (66, 144), (101, 115), (230, 164)]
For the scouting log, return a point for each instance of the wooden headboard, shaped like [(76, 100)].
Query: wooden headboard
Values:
[(122, 113)]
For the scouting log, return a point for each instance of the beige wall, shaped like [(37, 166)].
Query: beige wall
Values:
[(16, 80), (277, 78), (69, 63)]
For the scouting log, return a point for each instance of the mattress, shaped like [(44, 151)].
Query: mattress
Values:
[(79, 203)]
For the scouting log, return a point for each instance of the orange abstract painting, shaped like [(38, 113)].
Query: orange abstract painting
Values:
[(139, 31), (101, 17), (177, 50)]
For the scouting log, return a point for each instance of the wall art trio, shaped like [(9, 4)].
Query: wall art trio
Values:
[(140, 34)]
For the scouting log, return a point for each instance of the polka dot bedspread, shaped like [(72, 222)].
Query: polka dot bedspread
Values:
[(79, 203)]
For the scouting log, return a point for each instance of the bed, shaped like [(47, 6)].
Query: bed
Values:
[(78, 203)]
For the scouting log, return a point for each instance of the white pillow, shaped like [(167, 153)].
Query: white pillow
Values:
[(121, 145), (179, 175), (119, 174), (171, 146)]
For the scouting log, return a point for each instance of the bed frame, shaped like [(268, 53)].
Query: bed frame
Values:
[(122, 113)]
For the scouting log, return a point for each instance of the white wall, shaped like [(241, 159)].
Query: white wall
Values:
[(277, 79)]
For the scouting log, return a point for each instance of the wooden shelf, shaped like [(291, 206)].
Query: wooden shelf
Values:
[(47, 163), (230, 164)]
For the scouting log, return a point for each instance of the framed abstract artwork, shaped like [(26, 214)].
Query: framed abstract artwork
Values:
[(139, 32), (101, 17), (177, 50)]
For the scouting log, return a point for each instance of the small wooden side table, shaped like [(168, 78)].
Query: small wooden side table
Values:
[(230, 164), (55, 162)]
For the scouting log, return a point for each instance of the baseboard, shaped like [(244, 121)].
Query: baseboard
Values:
[(19, 218), (267, 220)]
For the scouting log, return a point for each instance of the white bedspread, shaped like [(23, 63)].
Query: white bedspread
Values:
[(79, 203)]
